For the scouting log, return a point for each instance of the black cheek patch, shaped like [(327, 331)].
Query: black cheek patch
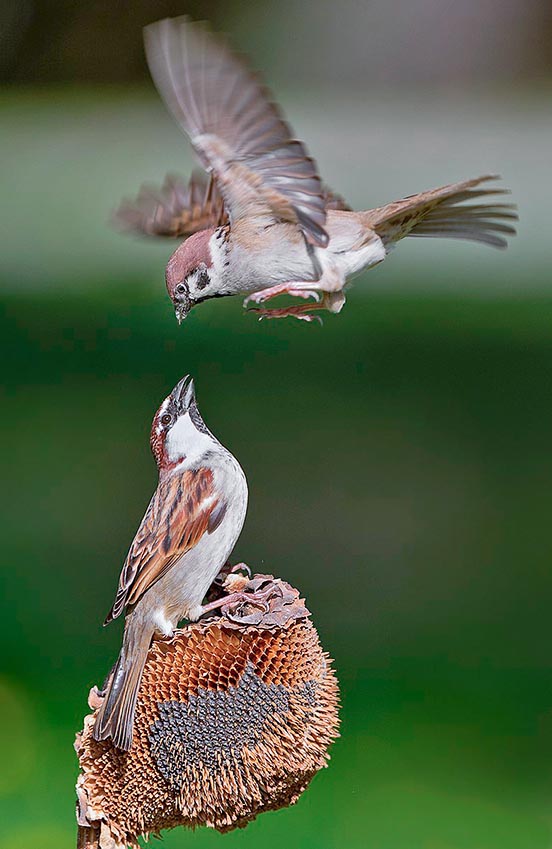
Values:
[(202, 280)]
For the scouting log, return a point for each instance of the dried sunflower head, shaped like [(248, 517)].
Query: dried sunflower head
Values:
[(235, 715)]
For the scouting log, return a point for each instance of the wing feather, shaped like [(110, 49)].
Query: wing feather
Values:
[(180, 208), (442, 213), (176, 210), (178, 515), (237, 131)]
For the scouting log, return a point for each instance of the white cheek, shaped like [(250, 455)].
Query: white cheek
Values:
[(192, 283), (218, 256), (184, 440)]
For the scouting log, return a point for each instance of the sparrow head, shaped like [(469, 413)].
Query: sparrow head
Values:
[(190, 273), (178, 433)]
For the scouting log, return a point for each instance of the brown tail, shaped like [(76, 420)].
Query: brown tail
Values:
[(115, 718), (440, 213)]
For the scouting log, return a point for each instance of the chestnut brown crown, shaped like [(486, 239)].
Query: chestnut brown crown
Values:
[(188, 272)]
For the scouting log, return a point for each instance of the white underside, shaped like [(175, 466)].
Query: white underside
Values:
[(337, 267)]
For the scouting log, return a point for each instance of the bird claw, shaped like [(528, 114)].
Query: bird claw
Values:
[(254, 297), (244, 591), (256, 599), (241, 567), (305, 294), (265, 294), (237, 578), (300, 312)]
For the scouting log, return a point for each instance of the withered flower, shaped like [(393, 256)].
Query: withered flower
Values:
[(235, 715)]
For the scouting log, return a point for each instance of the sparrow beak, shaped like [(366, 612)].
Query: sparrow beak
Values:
[(181, 310), (183, 393)]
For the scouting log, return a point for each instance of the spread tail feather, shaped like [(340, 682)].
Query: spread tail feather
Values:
[(442, 213), (115, 717)]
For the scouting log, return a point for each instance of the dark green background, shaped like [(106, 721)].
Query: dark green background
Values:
[(399, 471)]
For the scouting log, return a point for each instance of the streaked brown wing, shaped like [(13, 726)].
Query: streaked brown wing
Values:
[(237, 131), (179, 514), (176, 210)]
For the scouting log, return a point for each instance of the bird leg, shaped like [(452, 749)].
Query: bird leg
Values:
[(299, 289), (331, 301), (303, 312), (256, 599)]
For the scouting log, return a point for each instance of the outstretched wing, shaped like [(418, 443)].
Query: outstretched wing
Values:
[(182, 510), (237, 131), (177, 209)]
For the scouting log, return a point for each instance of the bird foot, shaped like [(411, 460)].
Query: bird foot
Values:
[(303, 312), (257, 599), (285, 289), (241, 567), (229, 579)]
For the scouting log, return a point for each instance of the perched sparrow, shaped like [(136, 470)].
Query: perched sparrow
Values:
[(264, 224), (188, 531)]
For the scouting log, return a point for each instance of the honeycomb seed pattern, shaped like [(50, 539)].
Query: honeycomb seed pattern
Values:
[(217, 724), (231, 721)]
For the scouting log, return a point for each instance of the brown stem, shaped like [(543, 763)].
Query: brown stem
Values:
[(88, 838)]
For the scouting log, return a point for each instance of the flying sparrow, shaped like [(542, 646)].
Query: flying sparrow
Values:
[(263, 224), (187, 533)]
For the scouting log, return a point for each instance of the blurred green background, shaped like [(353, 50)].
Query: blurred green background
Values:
[(398, 458)]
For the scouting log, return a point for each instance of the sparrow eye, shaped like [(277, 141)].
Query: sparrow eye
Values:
[(180, 289), (166, 419)]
